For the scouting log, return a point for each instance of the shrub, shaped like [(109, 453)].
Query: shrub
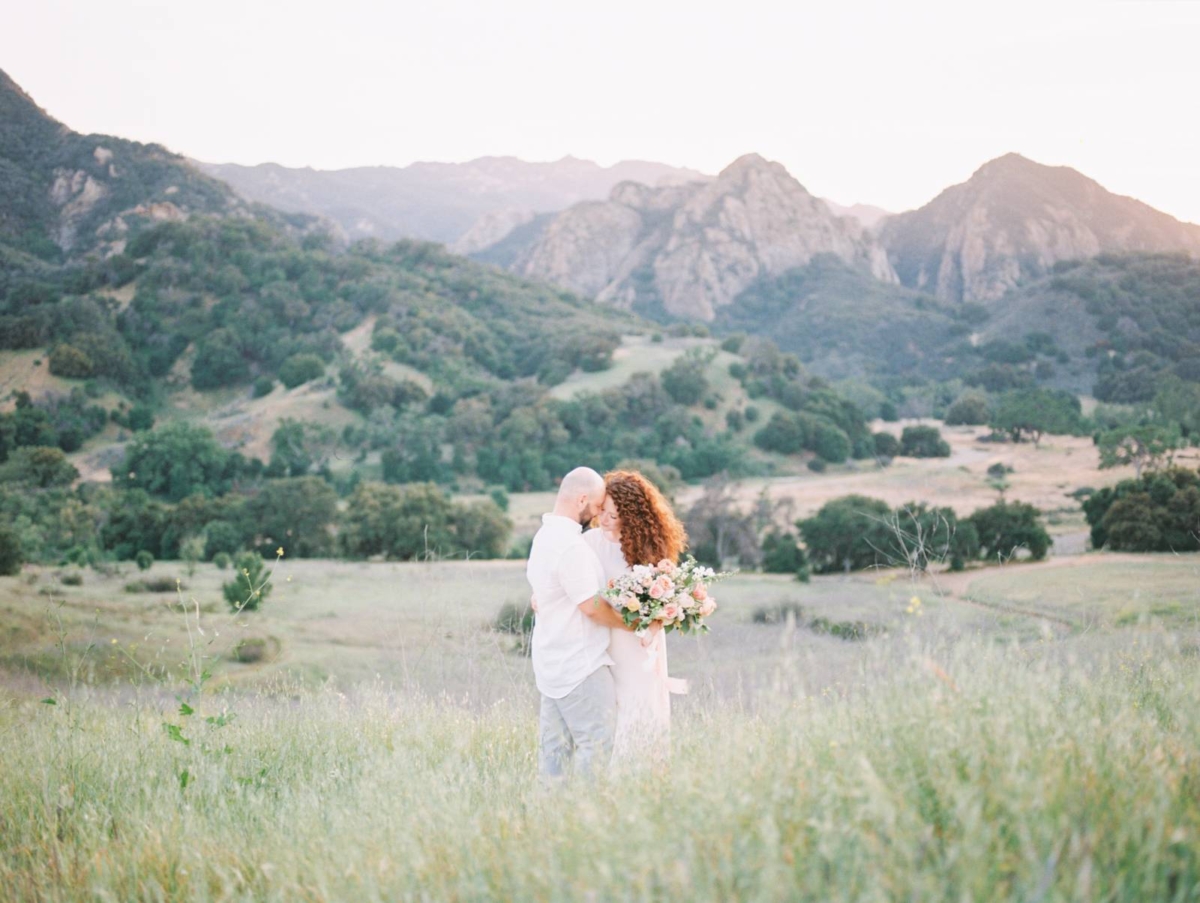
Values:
[(144, 560), (69, 362), (831, 443), (249, 586), (847, 534), (154, 585), (517, 619), (1007, 526), (1157, 512), (263, 386), (685, 379), (886, 445), (845, 630), (11, 554), (778, 613), (782, 554), (300, 368), (923, 442), (71, 578), (250, 650), (221, 560), (735, 420), (971, 409), (817, 465)]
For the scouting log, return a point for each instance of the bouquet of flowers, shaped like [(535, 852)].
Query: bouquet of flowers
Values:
[(674, 594)]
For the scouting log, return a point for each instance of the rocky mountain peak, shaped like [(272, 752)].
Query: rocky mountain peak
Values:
[(687, 250), (1012, 221)]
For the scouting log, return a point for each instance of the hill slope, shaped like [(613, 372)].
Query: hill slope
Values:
[(66, 194)]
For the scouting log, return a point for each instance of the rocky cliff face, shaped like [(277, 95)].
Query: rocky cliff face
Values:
[(690, 249), (1013, 220)]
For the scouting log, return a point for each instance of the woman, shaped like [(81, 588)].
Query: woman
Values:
[(637, 526)]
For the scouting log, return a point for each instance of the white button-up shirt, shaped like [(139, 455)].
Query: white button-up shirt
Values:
[(568, 646)]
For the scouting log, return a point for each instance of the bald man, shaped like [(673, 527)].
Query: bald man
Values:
[(571, 634)]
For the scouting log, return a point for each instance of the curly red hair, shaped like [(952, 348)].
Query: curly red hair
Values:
[(650, 531)]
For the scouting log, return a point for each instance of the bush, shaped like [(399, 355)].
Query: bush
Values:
[(847, 534), (301, 368), (69, 362), (1157, 512), (1008, 526), (71, 578), (154, 585), (263, 386), (831, 443), (221, 560), (685, 379), (250, 586), (778, 613), (250, 650), (971, 409), (517, 619), (923, 442), (782, 554), (886, 445), (144, 560), (845, 630), (817, 465), (11, 553)]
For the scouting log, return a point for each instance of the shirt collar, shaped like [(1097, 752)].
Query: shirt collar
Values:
[(562, 523)]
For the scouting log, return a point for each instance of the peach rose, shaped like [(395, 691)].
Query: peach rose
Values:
[(707, 608), (666, 566), (699, 592), (630, 602), (671, 611), (661, 587)]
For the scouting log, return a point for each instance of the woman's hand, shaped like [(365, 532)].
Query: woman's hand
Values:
[(652, 634), (533, 603)]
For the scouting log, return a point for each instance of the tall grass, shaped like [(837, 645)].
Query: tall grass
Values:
[(972, 772)]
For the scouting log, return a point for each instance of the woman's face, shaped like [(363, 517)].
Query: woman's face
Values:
[(610, 520)]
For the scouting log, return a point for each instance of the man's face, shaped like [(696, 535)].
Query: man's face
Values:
[(591, 508)]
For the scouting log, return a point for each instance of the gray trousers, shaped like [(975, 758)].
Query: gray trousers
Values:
[(579, 727)]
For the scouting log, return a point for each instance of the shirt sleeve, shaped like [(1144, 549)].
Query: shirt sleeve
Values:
[(578, 573)]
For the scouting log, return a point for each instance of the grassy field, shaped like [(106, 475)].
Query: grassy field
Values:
[(992, 738)]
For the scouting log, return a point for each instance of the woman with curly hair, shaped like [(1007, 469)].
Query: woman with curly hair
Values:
[(637, 526)]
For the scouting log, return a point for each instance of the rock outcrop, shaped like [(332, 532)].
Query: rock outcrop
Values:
[(687, 250), (1013, 220)]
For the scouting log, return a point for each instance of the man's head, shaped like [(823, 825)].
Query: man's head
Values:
[(580, 495)]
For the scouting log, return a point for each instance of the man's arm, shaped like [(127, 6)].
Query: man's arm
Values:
[(600, 612)]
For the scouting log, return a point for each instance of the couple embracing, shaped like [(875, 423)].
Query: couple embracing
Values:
[(605, 691)]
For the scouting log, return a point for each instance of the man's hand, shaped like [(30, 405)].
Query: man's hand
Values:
[(533, 603)]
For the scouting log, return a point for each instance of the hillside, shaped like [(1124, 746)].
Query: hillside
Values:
[(1012, 221), (845, 324), (67, 195), (436, 201), (1127, 323)]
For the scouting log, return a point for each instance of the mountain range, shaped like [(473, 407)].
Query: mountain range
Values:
[(436, 201), (748, 250)]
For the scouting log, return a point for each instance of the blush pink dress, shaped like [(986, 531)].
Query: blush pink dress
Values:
[(643, 687)]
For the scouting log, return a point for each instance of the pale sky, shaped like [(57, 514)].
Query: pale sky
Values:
[(880, 103)]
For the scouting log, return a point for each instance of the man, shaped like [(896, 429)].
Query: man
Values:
[(571, 634)]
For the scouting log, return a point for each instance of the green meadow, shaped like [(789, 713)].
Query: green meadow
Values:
[(1026, 732)]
